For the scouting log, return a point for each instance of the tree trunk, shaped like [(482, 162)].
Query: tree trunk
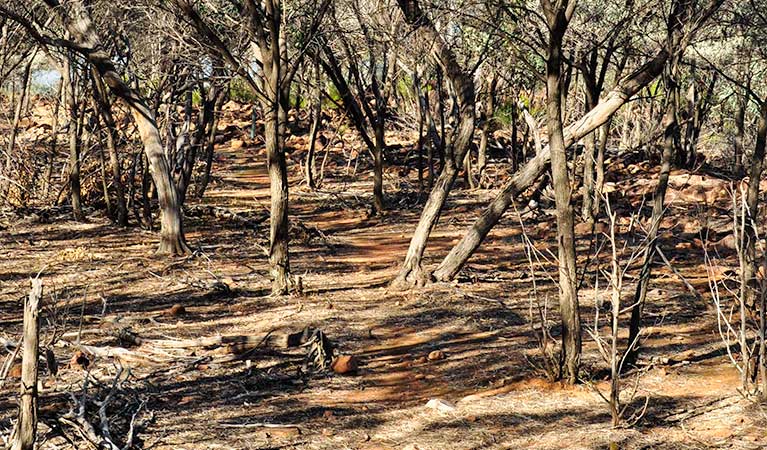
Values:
[(380, 145), (740, 125), (26, 427), (568, 292), (278, 186), (210, 142), (514, 137), (486, 128), (530, 171), (104, 109), (670, 136), (76, 19), (587, 190), (4, 184), (54, 139), (599, 181), (752, 203), (71, 79), (316, 112), (463, 85)]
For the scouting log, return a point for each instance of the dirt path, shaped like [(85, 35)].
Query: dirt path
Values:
[(108, 276)]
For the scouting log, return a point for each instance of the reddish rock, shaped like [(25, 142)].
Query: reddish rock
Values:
[(345, 364), (176, 310), (436, 355)]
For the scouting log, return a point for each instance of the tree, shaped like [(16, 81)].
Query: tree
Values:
[(558, 16)]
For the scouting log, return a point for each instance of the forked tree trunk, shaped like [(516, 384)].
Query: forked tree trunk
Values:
[(412, 272), (533, 169), (274, 104)]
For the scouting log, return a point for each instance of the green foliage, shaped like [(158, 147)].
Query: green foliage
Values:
[(405, 86), (239, 91), (334, 95), (196, 97), (502, 114)]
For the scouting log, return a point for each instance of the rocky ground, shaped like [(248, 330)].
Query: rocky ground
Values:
[(180, 343)]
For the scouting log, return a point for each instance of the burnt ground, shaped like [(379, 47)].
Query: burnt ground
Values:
[(100, 278)]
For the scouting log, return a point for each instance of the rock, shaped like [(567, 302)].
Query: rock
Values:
[(345, 364), (420, 360), (436, 355), (80, 361), (176, 310), (440, 405)]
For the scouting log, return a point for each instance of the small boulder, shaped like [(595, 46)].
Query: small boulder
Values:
[(436, 355), (176, 310), (345, 364)]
